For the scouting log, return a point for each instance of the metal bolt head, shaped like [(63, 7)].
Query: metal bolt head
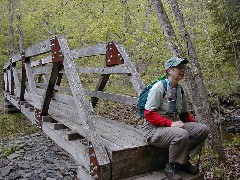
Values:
[(95, 176)]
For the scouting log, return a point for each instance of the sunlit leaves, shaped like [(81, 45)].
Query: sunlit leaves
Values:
[(134, 24)]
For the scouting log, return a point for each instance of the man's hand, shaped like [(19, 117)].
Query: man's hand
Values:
[(179, 124)]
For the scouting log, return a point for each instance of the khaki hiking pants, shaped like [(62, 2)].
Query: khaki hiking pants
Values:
[(180, 141)]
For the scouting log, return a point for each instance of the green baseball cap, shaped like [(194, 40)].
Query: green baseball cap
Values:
[(174, 61)]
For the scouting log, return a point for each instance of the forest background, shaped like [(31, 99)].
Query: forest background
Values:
[(213, 27)]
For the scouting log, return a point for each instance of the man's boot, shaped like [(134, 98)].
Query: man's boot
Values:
[(172, 172)]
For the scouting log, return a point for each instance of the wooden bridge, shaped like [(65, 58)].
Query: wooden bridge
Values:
[(44, 83)]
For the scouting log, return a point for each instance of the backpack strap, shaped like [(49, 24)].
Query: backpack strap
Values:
[(165, 87), (182, 91)]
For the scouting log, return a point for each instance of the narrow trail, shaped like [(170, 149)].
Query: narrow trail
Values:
[(36, 158)]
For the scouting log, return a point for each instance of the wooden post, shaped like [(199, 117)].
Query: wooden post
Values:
[(15, 79), (100, 86), (24, 78), (10, 80)]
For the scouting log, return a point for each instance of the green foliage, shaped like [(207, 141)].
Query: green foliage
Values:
[(137, 27), (213, 168), (226, 15), (15, 125), (8, 150), (4, 55), (235, 141)]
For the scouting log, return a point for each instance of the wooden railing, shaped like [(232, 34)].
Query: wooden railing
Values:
[(43, 82)]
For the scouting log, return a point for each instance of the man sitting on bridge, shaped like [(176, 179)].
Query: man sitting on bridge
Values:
[(169, 124)]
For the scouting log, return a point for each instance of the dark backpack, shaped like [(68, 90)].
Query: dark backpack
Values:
[(144, 94)]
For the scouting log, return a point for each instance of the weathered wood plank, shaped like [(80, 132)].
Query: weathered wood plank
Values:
[(112, 146), (42, 61), (121, 69), (75, 148), (120, 125), (36, 63), (5, 77), (63, 89), (12, 99), (83, 108), (38, 49), (68, 114), (10, 81), (30, 114), (82, 173), (135, 78), (42, 69), (139, 160), (98, 49), (40, 85), (7, 65), (32, 85), (120, 130), (70, 121), (71, 110), (16, 80), (6, 101), (30, 97), (124, 99), (16, 57), (46, 59), (64, 98), (40, 92)]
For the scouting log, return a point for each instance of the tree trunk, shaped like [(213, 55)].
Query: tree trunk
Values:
[(20, 32), (11, 30), (196, 70), (193, 82)]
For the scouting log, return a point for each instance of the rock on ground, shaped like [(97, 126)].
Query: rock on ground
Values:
[(36, 157)]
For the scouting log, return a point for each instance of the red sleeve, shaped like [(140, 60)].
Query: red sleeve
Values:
[(155, 119), (186, 117)]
